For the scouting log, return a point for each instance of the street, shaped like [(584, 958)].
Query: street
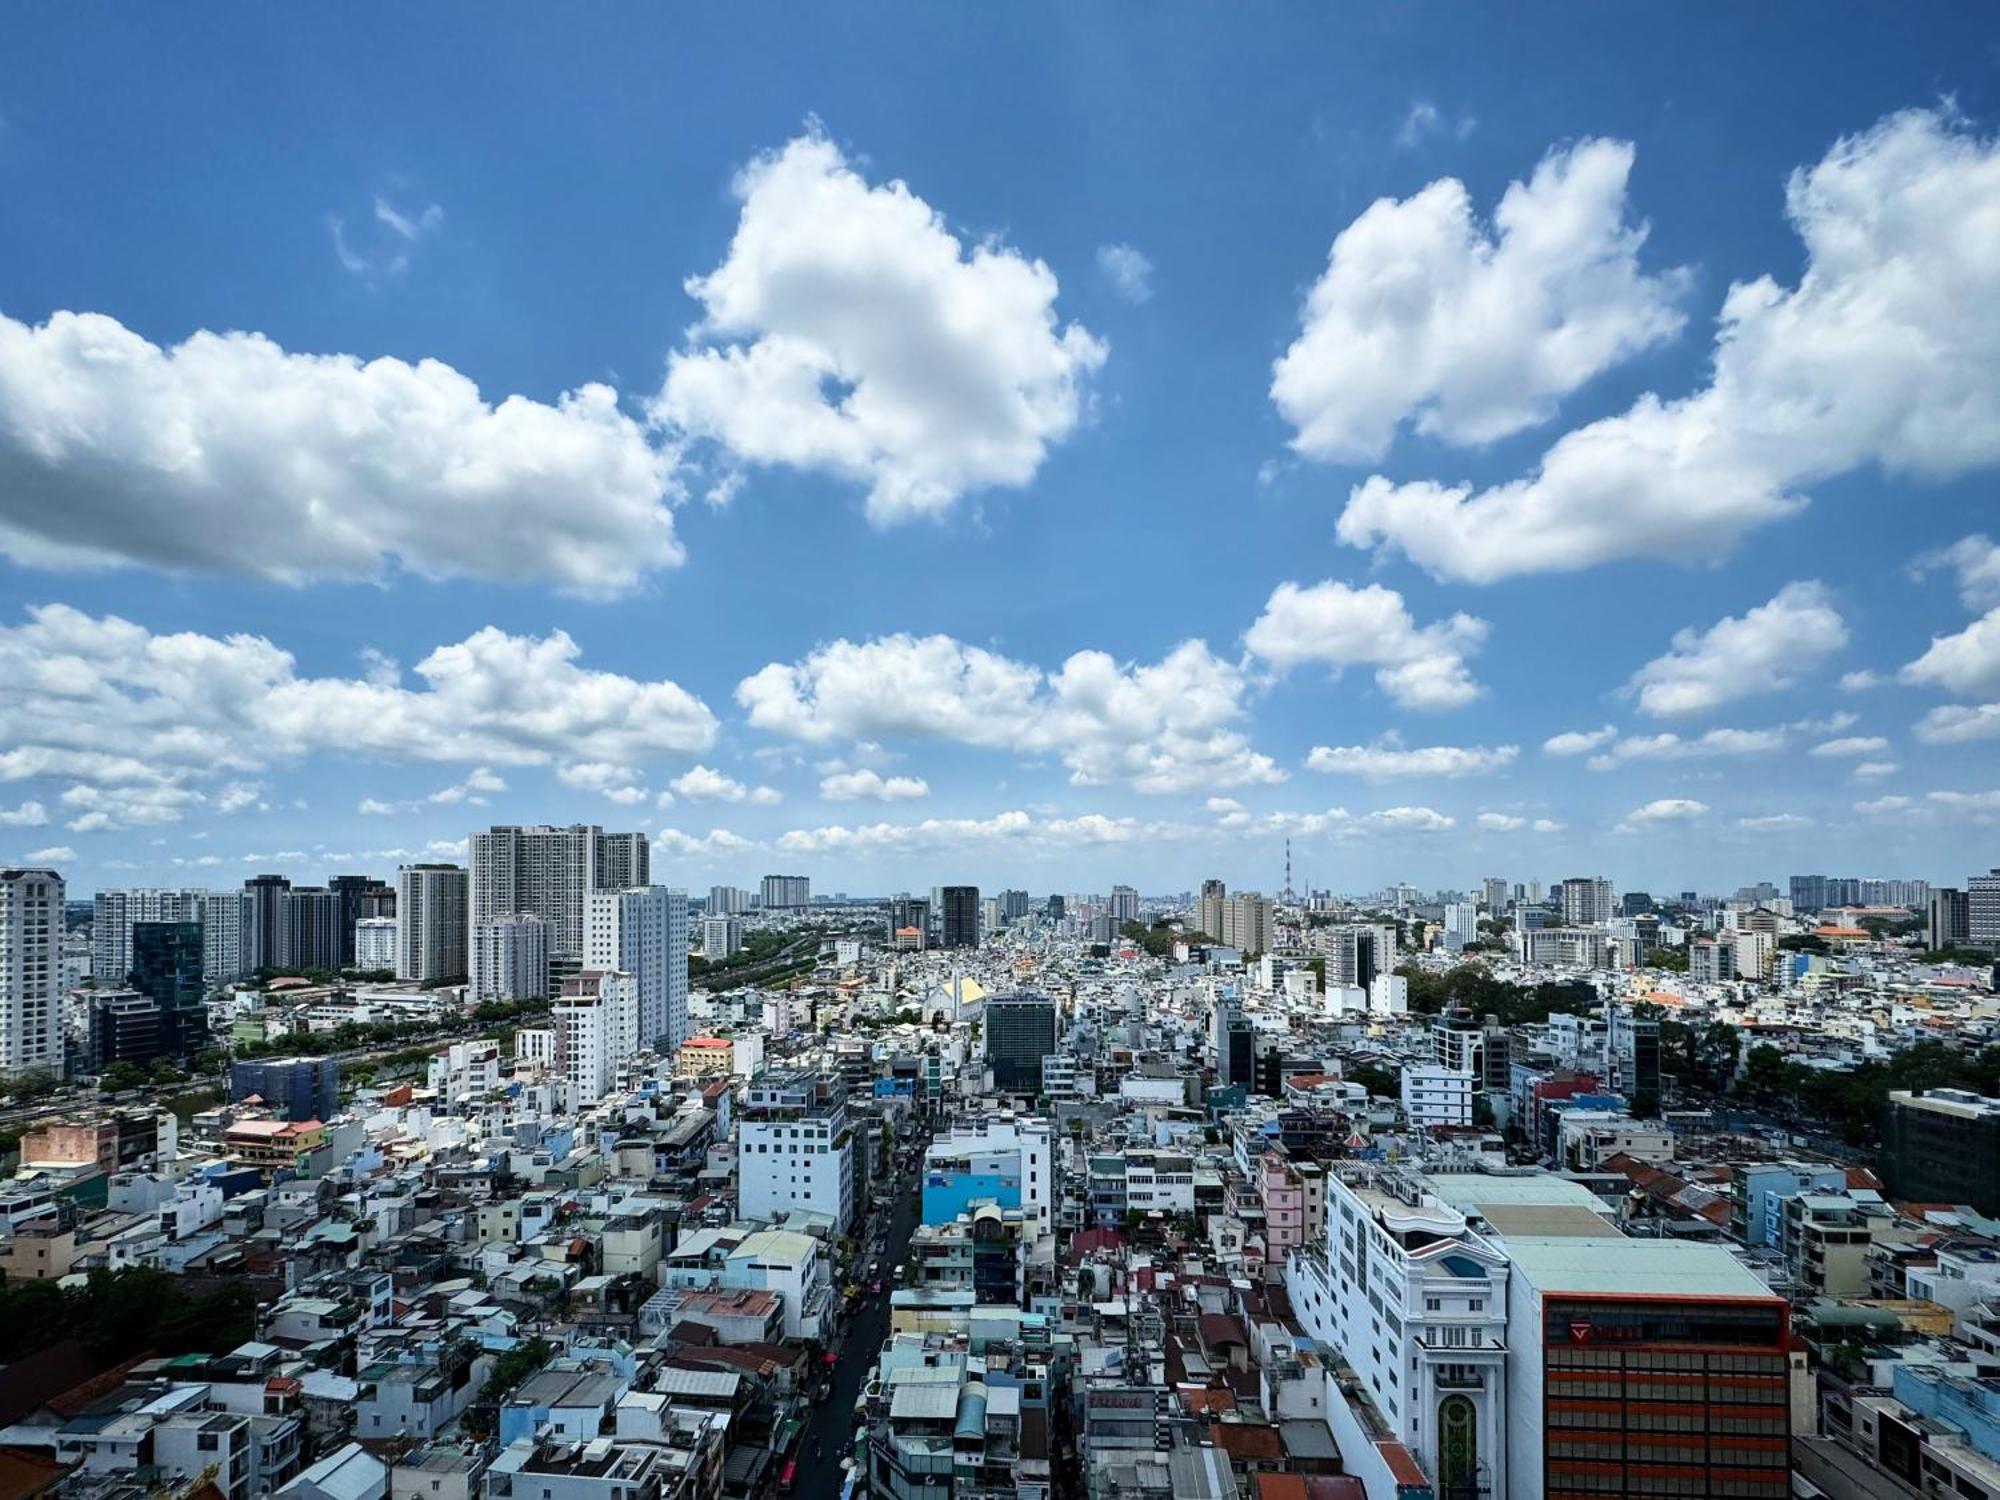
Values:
[(828, 1439)]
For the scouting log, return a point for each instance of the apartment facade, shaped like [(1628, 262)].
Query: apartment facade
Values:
[(431, 932), (794, 1148), (31, 933)]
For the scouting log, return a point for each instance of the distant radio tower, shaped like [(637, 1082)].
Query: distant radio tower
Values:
[(1288, 867)]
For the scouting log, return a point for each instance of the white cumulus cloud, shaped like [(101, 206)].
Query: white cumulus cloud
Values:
[(1412, 820), (227, 454), (1663, 810), (1161, 727), (1853, 744), (1469, 331), (1388, 758), (208, 707), (1668, 746), (1774, 823), (716, 843), (872, 786), (1966, 662), (951, 835), (1955, 723), (1975, 560), (1335, 624), (1499, 822), (849, 331), (706, 784), (1579, 741), (1886, 354), (1762, 650)]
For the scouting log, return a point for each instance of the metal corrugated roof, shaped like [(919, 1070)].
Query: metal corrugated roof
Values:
[(934, 1403)]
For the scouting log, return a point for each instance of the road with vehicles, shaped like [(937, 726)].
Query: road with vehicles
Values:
[(829, 1437)]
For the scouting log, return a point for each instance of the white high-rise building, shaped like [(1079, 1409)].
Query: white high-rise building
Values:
[(644, 932), (621, 861), (551, 872), (1388, 995), (1124, 904), (1436, 1095), (721, 937), (431, 933), (31, 935), (1461, 925), (726, 901), (582, 1048), (1245, 922), (1208, 910), (374, 943), (225, 936), (784, 892), (510, 958), (1588, 901), (596, 1023), (794, 1149), (224, 918), (1357, 953)]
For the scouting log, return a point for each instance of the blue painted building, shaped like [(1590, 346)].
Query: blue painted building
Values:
[(1761, 1188)]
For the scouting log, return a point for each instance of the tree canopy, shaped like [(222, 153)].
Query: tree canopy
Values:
[(1472, 987), (116, 1314), (1850, 1100)]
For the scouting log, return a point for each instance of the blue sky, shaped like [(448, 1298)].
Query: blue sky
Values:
[(855, 472)]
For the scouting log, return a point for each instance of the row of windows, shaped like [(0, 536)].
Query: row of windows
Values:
[(1659, 1360), (1614, 1486), (1664, 1455), (1635, 1390), (1641, 1419)]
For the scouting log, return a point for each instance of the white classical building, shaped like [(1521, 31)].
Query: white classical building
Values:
[(1415, 1301)]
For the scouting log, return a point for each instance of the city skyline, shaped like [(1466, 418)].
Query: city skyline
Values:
[(551, 482)]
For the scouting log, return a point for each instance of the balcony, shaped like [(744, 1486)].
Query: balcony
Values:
[(1467, 1341)]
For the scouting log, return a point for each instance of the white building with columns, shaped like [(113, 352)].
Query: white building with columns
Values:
[(1415, 1301)]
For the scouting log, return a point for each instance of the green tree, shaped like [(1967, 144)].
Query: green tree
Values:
[(166, 1072), (1764, 1075), (1973, 957), (508, 1371), (119, 1077), (1376, 1079), (30, 1087)]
